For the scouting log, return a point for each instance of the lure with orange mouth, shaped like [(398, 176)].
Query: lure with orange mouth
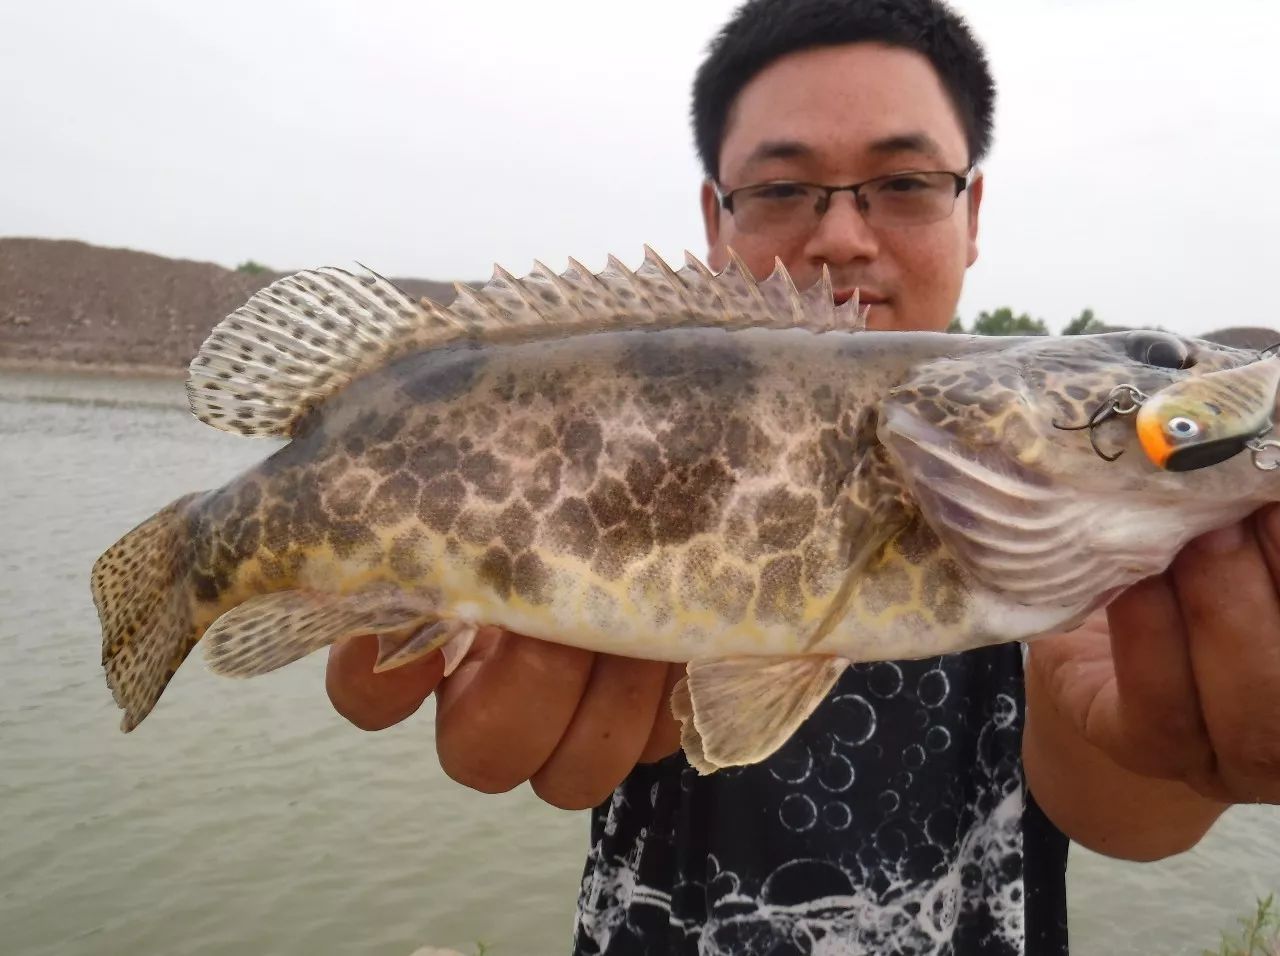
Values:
[(1206, 419), (1152, 438)]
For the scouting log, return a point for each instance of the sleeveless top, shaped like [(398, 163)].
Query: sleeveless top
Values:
[(896, 820)]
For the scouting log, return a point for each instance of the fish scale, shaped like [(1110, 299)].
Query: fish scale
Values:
[(670, 465)]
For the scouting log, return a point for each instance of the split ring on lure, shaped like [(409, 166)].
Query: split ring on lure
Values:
[(1121, 400), (1260, 446), (1207, 419)]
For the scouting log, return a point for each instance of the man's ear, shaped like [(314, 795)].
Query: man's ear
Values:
[(975, 204), (710, 214)]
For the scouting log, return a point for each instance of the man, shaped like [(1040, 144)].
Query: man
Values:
[(923, 807)]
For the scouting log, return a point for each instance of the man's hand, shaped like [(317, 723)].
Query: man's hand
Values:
[(1186, 684), (571, 722)]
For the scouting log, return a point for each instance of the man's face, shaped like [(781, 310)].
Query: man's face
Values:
[(841, 115)]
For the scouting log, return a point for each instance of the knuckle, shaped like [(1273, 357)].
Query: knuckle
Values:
[(1179, 735), (480, 774), (658, 750), (351, 698), (348, 704), (636, 697), (364, 720), (570, 793), (664, 739), (362, 713), (1254, 755)]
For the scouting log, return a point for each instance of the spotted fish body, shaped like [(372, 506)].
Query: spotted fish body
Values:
[(672, 466), (645, 493)]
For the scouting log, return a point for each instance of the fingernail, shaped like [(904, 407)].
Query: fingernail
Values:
[(1223, 540)]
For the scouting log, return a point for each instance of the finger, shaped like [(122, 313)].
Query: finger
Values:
[(377, 701), (664, 736), (1159, 726), (1228, 595), (606, 734), (1076, 670), (500, 716)]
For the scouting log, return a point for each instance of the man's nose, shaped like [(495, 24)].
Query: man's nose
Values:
[(842, 235)]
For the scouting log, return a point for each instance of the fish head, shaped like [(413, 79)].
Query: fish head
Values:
[(1064, 410), (1027, 460)]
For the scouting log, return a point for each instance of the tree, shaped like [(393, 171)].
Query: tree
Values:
[(955, 325), (1003, 322), (1086, 323)]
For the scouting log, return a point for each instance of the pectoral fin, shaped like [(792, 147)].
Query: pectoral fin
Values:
[(876, 507), (739, 710), (272, 630)]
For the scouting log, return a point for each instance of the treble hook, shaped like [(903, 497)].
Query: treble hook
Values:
[(1124, 399)]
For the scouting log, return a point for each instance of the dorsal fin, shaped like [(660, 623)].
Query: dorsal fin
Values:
[(306, 336)]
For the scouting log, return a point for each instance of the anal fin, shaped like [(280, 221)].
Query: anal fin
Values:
[(453, 638), (271, 630), (739, 710)]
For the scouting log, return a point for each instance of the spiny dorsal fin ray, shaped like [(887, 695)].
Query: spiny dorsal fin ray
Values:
[(782, 295), (666, 285), (306, 336)]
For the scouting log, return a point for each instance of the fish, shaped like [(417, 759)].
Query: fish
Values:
[(676, 465), (1205, 420)]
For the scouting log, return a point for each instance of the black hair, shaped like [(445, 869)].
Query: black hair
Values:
[(762, 31)]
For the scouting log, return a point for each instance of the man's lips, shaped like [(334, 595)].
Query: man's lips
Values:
[(842, 296)]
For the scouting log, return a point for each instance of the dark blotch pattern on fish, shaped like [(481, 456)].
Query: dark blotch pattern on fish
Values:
[(581, 442), (441, 501), (495, 570), (784, 518), (531, 579), (687, 503), (572, 529), (780, 598), (487, 474), (438, 380)]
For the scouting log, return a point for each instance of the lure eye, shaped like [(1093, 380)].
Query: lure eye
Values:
[(1183, 428)]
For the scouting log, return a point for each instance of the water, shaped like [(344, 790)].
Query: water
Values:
[(250, 818)]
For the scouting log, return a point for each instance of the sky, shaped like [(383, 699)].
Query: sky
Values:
[(1136, 166)]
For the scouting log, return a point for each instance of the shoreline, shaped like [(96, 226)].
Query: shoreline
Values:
[(90, 369)]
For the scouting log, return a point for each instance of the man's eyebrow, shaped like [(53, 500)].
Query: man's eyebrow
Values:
[(915, 142), (778, 149)]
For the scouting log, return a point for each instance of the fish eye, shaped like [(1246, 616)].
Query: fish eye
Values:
[(1183, 428), (1158, 349)]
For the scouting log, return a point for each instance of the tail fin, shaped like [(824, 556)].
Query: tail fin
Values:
[(141, 587)]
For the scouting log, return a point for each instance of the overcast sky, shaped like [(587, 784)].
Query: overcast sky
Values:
[(1136, 167)]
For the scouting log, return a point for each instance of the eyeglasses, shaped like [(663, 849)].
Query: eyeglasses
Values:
[(900, 199)]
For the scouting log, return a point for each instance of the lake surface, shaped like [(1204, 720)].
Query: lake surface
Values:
[(247, 817)]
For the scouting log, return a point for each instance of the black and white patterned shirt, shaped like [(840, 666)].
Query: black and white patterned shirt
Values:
[(896, 820)]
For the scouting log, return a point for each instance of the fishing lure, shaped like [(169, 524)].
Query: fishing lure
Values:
[(1210, 418)]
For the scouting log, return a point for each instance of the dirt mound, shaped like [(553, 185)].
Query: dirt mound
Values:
[(66, 302), (72, 302), (1245, 337)]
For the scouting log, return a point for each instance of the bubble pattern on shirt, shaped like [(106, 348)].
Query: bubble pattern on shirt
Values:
[(892, 822)]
